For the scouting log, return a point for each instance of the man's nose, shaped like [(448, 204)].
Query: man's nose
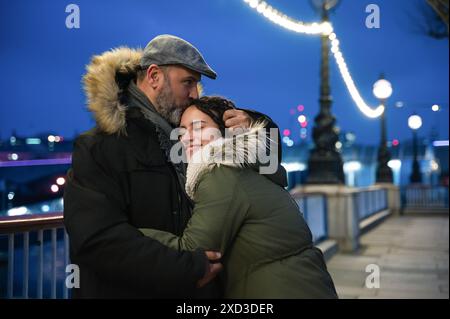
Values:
[(193, 93)]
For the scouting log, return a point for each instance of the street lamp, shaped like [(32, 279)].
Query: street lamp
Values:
[(382, 89), (435, 108), (325, 164), (414, 123)]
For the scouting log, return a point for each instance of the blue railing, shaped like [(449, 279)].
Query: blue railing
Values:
[(314, 209), (370, 202), (39, 241), (423, 196)]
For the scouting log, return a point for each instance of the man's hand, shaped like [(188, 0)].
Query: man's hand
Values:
[(236, 118), (212, 269)]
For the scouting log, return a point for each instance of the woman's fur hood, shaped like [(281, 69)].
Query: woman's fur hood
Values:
[(240, 151)]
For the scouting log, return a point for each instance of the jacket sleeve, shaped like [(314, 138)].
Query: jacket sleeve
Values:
[(220, 210), (102, 239)]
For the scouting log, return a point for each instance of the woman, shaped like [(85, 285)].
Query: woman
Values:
[(266, 245)]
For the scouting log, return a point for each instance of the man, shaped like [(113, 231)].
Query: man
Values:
[(123, 179)]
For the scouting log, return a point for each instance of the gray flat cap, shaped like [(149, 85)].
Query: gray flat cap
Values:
[(168, 49)]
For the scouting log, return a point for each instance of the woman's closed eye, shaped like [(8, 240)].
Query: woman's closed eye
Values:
[(198, 125), (198, 128)]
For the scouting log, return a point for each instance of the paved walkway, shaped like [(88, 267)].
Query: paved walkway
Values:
[(412, 255)]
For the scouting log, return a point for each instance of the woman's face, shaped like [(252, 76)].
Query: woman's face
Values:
[(198, 129)]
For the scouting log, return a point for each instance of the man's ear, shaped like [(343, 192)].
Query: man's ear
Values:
[(155, 76)]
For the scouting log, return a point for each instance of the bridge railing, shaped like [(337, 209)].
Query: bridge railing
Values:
[(425, 196), (348, 212), (370, 202), (33, 240), (314, 210)]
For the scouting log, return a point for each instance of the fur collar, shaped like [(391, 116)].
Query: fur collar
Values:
[(240, 151)]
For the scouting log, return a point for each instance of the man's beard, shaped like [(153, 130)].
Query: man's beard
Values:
[(167, 106)]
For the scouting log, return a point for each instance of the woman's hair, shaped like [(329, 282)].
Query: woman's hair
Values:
[(214, 107)]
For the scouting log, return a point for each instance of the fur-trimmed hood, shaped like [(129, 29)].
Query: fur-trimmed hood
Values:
[(240, 151), (102, 90)]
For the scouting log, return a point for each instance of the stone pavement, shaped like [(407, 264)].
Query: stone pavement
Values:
[(412, 255)]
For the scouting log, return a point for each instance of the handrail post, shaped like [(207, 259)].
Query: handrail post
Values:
[(26, 254), (40, 272), (10, 289), (66, 262), (53, 280)]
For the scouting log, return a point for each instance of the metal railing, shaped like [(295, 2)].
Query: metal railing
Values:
[(314, 210), (342, 214), (369, 202), (39, 241), (424, 196)]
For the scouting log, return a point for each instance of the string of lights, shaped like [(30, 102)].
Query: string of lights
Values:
[(322, 29)]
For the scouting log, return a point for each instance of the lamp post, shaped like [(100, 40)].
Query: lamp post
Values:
[(325, 164), (414, 123), (382, 89)]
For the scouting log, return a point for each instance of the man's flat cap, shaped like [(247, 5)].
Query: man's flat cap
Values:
[(168, 49)]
